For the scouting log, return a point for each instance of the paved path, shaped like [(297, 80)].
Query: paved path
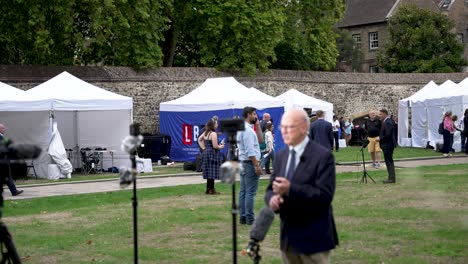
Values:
[(57, 189)]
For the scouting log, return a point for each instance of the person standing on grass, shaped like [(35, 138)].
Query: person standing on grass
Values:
[(461, 126), (448, 130), (347, 130), (301, 191), (211, 157), (249, 156), (336, 132), (372, 127), (269, 152), (387, 143), (321, 131), (465, 129)]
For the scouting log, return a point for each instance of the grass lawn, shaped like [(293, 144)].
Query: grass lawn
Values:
[(349, 154), (353, 154), (421, 219)]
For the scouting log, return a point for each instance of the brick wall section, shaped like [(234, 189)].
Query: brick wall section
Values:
[(349, 92)]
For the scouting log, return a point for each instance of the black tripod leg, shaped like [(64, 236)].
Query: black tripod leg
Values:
[(370, 177)]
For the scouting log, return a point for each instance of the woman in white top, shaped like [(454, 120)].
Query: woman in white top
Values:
[(269, 152), (336, 127)]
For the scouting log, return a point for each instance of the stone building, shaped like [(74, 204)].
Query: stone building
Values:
[(366, 20)]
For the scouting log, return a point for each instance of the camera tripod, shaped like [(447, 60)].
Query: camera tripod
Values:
[(364, 172), (7, 247)]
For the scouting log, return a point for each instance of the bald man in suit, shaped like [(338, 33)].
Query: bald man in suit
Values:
[(301, 191)]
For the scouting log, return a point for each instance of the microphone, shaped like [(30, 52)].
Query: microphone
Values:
[(262, 224), (302, 159), (258, 232), (19, 151)]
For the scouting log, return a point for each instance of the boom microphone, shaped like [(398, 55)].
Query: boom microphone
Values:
[(19, 151), (262, 224), (258, 232)]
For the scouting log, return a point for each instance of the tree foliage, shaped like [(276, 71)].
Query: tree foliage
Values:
[(234, 34), (349, 54), (70, 32), (226, 34), (309, 41), (421, 41)]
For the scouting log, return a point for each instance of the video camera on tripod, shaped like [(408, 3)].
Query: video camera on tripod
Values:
[(230, 169), (10, 154), (13, 155)]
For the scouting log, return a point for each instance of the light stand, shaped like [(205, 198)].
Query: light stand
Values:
[(364, 172), (130, 145)]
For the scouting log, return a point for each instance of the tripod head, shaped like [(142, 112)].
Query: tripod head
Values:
[(365, 142)]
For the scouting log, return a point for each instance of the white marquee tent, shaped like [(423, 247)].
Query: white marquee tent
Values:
[(403, 115), (295, 99), (455, 99), (88, 116), (26, 118), (427, 109)]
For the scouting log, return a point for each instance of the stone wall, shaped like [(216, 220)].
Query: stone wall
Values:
[(350, 93)]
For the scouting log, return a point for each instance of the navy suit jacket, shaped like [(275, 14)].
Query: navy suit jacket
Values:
[(321, 132), (307, 222), (387, 134)]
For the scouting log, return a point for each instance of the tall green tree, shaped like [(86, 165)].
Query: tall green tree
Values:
[(349, 53), (67, 32), (309, 41), (234, 34), (420, 41)]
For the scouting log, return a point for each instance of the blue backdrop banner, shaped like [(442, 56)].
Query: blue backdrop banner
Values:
[(184, 129)]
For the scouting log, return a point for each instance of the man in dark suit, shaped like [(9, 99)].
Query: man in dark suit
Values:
[(321, 131), (387, 143), (301, 190)]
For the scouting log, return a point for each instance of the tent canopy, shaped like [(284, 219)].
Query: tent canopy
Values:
[(71, 93), (427, 109), (13, 99), (87, 116), (430, 88), (295, 99), (403, 112), (216, 94), (185, 117)]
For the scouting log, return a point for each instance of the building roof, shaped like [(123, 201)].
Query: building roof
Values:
[(425, 4), (363, 12), (458, 12)]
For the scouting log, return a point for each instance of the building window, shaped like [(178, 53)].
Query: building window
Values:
[(374, 69), (373, 40), (460, 37), (357, 40)]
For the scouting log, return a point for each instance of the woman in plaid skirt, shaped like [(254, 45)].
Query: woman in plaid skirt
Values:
[(211, 157)]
